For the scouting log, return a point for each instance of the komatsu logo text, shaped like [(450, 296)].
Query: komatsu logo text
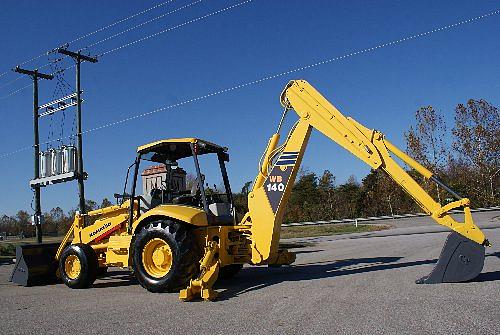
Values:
[(106, 225)]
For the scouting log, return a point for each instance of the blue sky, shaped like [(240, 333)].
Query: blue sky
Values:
[(381, 89)]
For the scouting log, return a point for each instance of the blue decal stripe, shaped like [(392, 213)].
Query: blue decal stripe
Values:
[(288, 156), (290, 152), (285, 162)]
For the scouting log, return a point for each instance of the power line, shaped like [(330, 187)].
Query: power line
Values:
[(149, 36), (122, 20), (175, 27), (10, 82), (142, 24), (122, 32), (27, 86), (15, 92), (277, 75), (16, 151), (94, 32)]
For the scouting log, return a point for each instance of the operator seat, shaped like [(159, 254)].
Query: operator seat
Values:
[(190, 198), (151, 200), (222, 212)]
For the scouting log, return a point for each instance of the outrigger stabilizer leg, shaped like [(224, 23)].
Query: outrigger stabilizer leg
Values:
[(209, 269)]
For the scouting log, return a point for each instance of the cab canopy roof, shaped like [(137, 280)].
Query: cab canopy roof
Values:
[(177, 148)]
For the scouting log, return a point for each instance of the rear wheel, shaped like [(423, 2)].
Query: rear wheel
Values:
[(166, 256), (78, 266)]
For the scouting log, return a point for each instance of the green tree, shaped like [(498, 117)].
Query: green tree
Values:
[(23, 223), (241, 200), (8, 224), (326, 193), (90, 205), (55, 221), (246, 188), (380, 195), (105, 203), (348, 196), (304, 199)]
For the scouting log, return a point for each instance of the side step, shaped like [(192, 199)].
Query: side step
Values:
[(461, 260), (35, 264)]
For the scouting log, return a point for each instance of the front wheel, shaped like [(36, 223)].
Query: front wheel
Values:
[(166, 256), (78, 266)]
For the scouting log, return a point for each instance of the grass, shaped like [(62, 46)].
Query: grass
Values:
[(329, 229), (8, 247)]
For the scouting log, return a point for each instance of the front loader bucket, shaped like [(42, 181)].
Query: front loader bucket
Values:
[(35, 264), (461, 260)]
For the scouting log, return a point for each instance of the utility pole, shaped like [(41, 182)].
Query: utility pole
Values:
[(34, 74), (78, 57)]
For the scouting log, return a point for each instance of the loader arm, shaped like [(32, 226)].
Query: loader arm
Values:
[(280, 164)]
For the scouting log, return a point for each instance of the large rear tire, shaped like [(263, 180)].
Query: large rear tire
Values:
[(78, 266), (166, 256)]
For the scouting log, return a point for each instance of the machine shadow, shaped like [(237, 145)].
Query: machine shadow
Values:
[(487, 276), (495, 254), (307, 251), (8, 261), (116, 278), (253, 278)]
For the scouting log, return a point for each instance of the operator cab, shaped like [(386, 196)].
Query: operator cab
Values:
[(165, 182)]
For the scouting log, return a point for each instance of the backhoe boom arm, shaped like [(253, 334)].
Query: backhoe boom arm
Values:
[(280, 164)]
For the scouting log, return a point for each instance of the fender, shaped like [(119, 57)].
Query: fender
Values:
[(188, 214)]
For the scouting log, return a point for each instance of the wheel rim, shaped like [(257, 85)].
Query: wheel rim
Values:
[(157, 258), (72, 266)]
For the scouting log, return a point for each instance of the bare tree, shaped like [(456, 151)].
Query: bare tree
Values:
[(426, 141), (477, 141)]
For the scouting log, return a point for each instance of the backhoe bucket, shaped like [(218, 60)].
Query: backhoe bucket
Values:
[(461, 260), (35, 264)]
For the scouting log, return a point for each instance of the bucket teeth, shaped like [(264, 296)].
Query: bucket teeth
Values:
[(460, 260)]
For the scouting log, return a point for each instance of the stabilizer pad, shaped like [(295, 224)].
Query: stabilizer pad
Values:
[(35, 264), (461, 260)]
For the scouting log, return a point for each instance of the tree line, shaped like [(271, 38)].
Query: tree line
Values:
[(56, 221), (465, 155)]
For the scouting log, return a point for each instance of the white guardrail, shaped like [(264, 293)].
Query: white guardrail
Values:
[(385, 217)]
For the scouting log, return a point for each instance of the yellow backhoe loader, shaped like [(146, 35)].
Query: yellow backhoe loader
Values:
[(174, 239)]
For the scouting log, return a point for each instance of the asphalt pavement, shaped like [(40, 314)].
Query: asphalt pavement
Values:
[(345, 284)]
